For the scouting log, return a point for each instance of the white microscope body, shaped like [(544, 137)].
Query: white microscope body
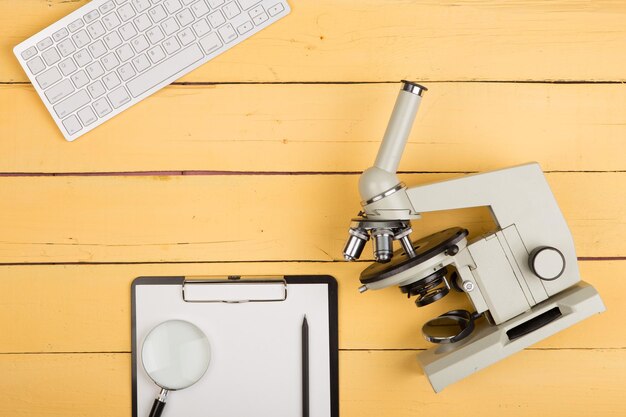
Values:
[(523, 276)]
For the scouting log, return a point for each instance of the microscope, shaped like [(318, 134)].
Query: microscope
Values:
[(521, 278)]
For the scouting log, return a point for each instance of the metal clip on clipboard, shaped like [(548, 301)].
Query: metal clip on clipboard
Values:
[(234, 289)]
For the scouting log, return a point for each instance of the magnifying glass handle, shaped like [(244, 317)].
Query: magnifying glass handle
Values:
[(159, 404)]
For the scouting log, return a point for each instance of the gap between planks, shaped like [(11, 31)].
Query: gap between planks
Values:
[(580, 259), (178, 173)]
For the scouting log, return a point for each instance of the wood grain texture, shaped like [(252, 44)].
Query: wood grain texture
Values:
[(86, 308), (373, 384), (247, 217), (460, 127), (373, 40)]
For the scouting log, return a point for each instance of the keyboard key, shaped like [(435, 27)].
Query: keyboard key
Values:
[(275, 9), (107, 7), (91, 16), (171, 45), (155, 35), (142, 22), (87, 116), (81, 38), (186, 36), (72, 125), (48, 77), (125, 52), (260, 18), (210, 43), (111, 80), (215, 3), (216, 19), (110, 61), (246, 27), (140, 44), (82, 57), (126, 71), (75, 25), (29, 53), (126, 12), (36, 65), (200, 8), (112, 40), (67, 66), (51, 56), (97, 49), (66, 47), (96, 30), (102, 107), (96, 89), (72, 103), (60, 34), (80, 79), (157, 13), (246, 4), (119, 97), (227, 33), (231, 10), (141, 62), (111, 21), (201, 27), (59, 91), (172, 6), (184, 17), (44, 43), (156, 54), (94, 70), (128, 31), (256, 11), (140, 5), (169, 26), (165, 70)]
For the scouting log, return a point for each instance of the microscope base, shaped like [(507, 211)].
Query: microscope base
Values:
[(488, 344)]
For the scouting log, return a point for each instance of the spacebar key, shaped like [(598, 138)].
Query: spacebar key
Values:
[(165, 70)]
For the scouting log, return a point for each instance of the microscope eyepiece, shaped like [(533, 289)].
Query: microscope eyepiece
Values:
[(412, 87)]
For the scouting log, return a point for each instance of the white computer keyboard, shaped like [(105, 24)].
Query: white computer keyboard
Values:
[(110, 54)]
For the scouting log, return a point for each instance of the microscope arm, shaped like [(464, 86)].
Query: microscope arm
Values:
[(519, 196)]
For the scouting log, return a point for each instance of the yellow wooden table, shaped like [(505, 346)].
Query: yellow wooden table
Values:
[(250, 165)]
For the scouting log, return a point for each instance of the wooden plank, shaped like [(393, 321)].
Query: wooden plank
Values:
[(86, 308), (460, 127), (247, 218), (372, 384), (329, 40)]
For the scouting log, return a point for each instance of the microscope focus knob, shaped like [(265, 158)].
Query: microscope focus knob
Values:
[(547, 263)]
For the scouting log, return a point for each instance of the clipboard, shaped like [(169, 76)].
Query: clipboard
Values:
[(254, 327)]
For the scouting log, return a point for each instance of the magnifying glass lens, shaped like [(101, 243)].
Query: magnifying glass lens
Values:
[(175, 355)]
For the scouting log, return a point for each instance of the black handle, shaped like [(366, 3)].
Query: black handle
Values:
[(157, 408)]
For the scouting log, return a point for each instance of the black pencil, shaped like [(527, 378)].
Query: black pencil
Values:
[(305, 368)]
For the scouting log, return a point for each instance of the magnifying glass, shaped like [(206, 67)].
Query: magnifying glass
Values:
[(175, 355)]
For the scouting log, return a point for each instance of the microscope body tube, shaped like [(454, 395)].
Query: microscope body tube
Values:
[(381, 177), (398, 130)]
